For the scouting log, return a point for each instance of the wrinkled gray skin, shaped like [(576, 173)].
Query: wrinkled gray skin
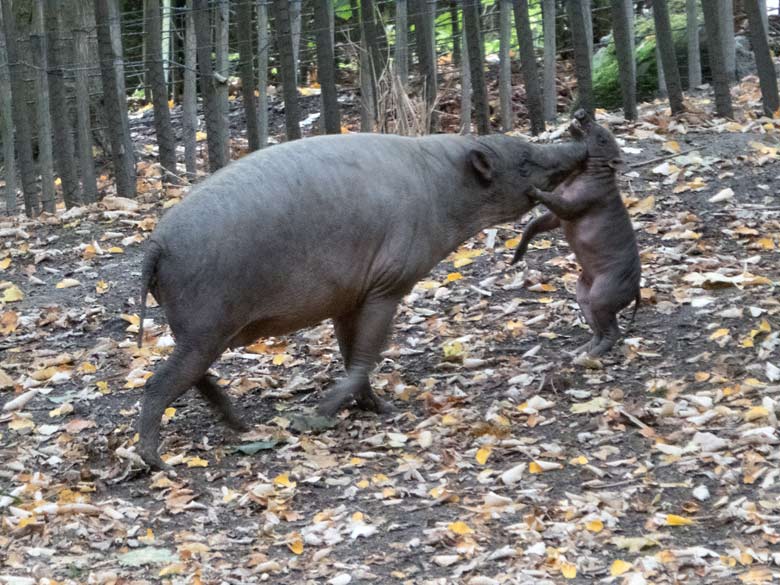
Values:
[(338, 227), (598, 229)]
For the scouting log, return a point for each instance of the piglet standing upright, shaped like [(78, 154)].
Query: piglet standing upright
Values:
[(598, 229)]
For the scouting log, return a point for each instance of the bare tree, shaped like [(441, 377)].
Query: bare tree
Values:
[(216, 123), (425, 51), (766, 70), (189, 117), (582, 62), (465, 81), (455, 33), (720, 79), (246, 53), (370, 65), (222, 57), (166, 41), (550, 86), (45, 163), (694, 54), (402, 41), (587, 13), (726, 9), (533, 92), (326, 66), (263, 45), (81, 63), (476, 51), (7, 129), (287, 65), (296, 25), (625, 58), (665, 44), (504, 65)]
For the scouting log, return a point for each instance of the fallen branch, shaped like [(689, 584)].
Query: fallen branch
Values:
[(660, 158)]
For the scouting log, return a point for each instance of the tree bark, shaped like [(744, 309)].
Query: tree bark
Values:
[(295, 27), (222, 59), (694, 52), (476, 51), (766, 70), (455, 32), (533, 93), (189, 120), (465, 81), (45, 162), (587, 8), (720, 79), (246, 66), (402, 42), (216, 125), (582, 62), (7, 130), (83, 120), (263, 47), (425, 51), (550, 86), (505, 66), (625, 58), (287, 66), (112, 72), (370, 64), (166, 43), (326, 66), (729, 42), (665, 44)]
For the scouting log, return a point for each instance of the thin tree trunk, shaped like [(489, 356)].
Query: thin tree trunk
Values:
[(166, 43), (665, 44), (465, 81), (83, 120), (582, 64), (720, 79), (189, 120), (550, 85), (476, 51), (729, 41), (370, 66), (632, 34), (764, 17), (144, 52), (64, 149), (625, 58), (533, 93), (662, 93), (766, 70), (326, 66), (587, 8), (222, 55), (20, 114), (114, 95), (263, 46), (7, 129), (424, 51), (216, 125), (504, 65), (402, 41), (455, 33), (247, 56), (166, 142), (694, 54), (296, 26), (287, 66), (45, 162)]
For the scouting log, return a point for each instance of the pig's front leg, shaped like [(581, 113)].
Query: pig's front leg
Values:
[(544, 223), (361, 336), (566, 208)]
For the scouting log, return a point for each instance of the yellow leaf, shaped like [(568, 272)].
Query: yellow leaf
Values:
[(295, 544), (701, 376), (116, 250), (284, 480), (483, 454), (358, 517), (149, 538), (619, 567), (766, 243), (534, 467), (169, 412), (448, 420), (280, 358), (20, 423), (459, 528), (363, 484), (196, 462), (581, 460), (68, 283), (5, 263), (542, 287), (200, 136), (436, 492), (758, 575), (644, 205), (27, 521), (755, 413), (722, 332), (101, 287), (764, 326), (595, 526), (103, 387), (453, 351), (512, 243), (675, 520), (172, 569), (356, 461), (672, 146), (87, 368), (569, 570), (453, 276), (12, 294), (461, 262), (747, 342)]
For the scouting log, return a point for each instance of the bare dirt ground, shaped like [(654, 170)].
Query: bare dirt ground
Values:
[(506, 461)]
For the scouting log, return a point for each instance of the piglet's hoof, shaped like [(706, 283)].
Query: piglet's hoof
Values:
[(335, 401), (370, 402), (152, 459)]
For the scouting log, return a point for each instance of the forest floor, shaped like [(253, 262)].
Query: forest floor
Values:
[(506, 461)]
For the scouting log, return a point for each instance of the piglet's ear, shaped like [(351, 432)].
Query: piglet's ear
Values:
[(482, 166)]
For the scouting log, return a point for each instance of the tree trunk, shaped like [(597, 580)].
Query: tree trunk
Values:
[(263, 47), (550, 85), (402, 42), (7, 129), (370, 65), (764, 17), (20, 114), (45, 162), (189, 119), (766, 70), (720, 80), (505, 66), (222, 56), (326, 66), (465, 81), (247, 56), (83, 119), (64, 149), (662, 93), (665, 44), (729, 43), (166, 43), (295, 27), (694, 55), (476, 51), (112, 72), (425, 51), (287, 66), (533, 93), (166, 142), (144, 51), (455, 32), (625, 58), (587, 8), (216, 125), (582, 64)]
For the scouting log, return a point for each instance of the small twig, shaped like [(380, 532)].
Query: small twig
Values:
[(660, 158)]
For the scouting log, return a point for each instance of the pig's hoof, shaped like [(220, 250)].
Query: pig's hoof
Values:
[(372, 403), (153, 460), (236, 424), (333, 403)]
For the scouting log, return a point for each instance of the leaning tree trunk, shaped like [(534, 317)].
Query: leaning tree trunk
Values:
[(465, 82), (550, 92), (216, 124), (7, 129), (729, 42), (504, 65), (263, 48), (112, 72), (287, 64), (189, 116), (694, 55), (326, 67), (246, 67), (402, 42), (720, 79), (222, 59), (533, 93), (625, 58), (582, 64), (766, 70), (166, 141), (476, 51), (764, 17), (45, 163), (20, 113), (665, 44)]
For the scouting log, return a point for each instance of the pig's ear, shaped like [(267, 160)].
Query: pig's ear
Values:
[(482, 166)]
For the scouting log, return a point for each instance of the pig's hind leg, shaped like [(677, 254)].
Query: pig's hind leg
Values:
[(219, 400), (544, 223), (607, 297), (361, 336), (583, 300)]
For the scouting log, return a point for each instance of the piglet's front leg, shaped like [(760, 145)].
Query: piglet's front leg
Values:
[(566, 208)]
